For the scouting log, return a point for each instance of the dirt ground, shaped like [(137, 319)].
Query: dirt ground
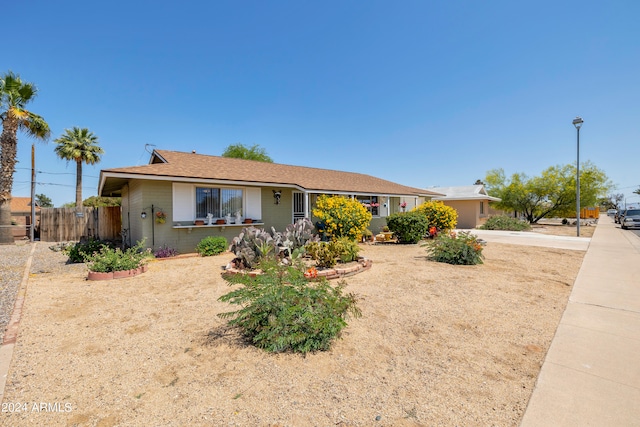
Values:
[(436, 345), (555, 227)]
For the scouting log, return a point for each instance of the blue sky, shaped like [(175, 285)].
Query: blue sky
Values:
[(423, 93)]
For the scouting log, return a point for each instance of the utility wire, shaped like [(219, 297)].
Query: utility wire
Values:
[(60, 173)]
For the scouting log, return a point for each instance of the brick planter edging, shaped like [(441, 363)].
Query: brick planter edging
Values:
[(95, 275), (364, 264)]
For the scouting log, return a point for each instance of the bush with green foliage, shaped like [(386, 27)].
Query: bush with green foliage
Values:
[(456, 248), (346, 249), (211, 245), (409, 227), (108, 259), (282, 311), (327, 254), (438, 214), (504, 222), (341, 216), (78, 252), (323, 253)]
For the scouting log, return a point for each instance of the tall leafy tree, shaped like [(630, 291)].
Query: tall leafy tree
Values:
[(98, 201), (612, 201), (241, 151), (553, 193), (81, 146), (43, 201), (14, 96)]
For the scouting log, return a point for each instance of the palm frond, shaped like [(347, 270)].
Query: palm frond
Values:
[(35, 126)]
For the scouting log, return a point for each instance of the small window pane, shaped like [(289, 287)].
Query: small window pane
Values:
[(207, 201), (231, 202)]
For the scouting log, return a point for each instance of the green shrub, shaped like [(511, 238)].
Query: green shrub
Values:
[(325, 254), (346, 249), (212, 246), (341, 216), (408, 227), (438, 214), (460, 249), (504, 222), (108, 259), (78, 252), (282, 311)]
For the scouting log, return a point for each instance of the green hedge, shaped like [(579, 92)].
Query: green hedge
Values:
[(409, 227)]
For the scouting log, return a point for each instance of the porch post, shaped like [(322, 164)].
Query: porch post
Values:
[(307, 214)]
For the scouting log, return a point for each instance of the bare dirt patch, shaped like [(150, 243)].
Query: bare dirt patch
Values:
[(556, 228), (437, 345)]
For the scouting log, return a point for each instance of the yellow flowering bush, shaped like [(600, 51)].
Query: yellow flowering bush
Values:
[(438, 214), (341, 216)]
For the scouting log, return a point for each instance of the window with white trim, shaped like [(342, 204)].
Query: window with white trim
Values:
[(218, 201), (371, 203)]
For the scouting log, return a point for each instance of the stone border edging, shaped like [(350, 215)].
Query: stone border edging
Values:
[(11, 334), (364, 264)]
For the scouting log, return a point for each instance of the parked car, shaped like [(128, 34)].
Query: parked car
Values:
[(612, 212), (630, 219)]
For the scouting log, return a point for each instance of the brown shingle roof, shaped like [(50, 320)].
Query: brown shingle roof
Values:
[(22, 204), (175, 165)]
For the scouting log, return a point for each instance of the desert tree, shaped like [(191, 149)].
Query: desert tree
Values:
[(553, 193), (43, 201), (241, 151)]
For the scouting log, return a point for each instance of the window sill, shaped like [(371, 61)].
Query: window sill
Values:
[(189, 227)]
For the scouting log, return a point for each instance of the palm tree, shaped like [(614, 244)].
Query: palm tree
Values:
[(14, 96), (81, 146)]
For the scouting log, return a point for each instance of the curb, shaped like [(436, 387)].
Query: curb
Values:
[(11, 334)]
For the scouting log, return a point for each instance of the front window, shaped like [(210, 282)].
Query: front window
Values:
[(371, 203), (217, 201)]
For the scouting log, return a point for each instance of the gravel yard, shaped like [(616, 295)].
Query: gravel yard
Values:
[(13, 263), (437, 345)]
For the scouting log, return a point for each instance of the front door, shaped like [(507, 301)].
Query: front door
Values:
[(298, 206)]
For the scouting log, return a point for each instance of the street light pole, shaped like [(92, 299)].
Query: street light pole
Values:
[(577, 122)]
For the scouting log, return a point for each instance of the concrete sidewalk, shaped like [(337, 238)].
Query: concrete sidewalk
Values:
[(591, 374)]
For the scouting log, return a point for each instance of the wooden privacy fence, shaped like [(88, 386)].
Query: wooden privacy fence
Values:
[(69, 224)]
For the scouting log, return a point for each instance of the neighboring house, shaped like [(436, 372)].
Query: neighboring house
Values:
[(187, 187), (21, 216), (471, 202)]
